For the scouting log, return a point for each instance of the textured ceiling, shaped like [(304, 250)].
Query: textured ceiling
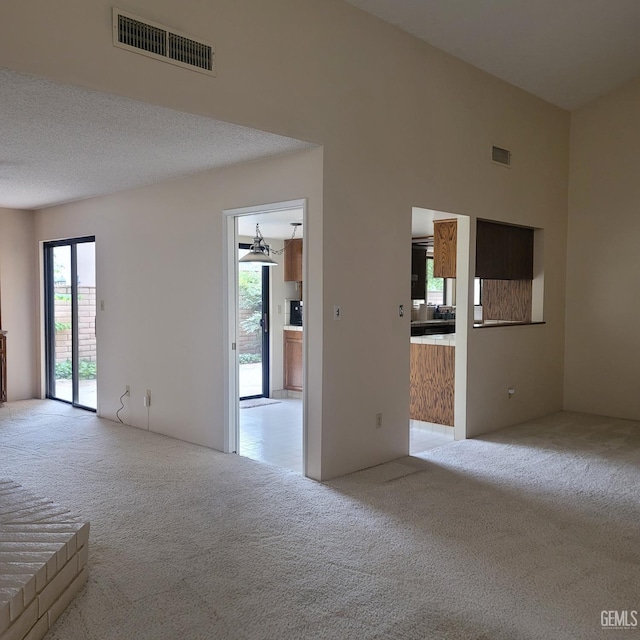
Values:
[(60, 143), (567, 52)]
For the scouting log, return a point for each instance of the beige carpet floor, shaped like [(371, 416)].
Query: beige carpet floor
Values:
[(528, 533)]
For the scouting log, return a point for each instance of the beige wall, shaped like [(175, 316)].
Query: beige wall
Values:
[(603, 276), (18, 299), (159, 271), (402, 124)]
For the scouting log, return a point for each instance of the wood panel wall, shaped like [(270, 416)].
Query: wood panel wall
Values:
[(507, 300), (432, 383)]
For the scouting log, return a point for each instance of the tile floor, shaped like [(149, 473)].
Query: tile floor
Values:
[(273, 434), (424, 436), (250, 379)]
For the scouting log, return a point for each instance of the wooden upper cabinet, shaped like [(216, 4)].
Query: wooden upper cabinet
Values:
[(445, 247), (504, 252), (293, 261)]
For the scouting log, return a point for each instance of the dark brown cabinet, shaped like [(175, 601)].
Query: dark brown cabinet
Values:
[(3, 368), (445, 248), (503, 252), (293, 370), (293, 261), (418, 272)]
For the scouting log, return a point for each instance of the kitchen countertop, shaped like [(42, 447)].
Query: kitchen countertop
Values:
[(503, 323), (442, 339), (426, 323)]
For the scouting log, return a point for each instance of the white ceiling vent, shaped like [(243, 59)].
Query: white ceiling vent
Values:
[(501, 156), (162, 43)]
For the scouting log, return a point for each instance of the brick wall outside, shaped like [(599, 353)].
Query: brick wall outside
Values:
[(248, 342), (86, 323)]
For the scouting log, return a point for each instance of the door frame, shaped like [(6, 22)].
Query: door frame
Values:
[(266, 336), (230, 321), (49, 318)]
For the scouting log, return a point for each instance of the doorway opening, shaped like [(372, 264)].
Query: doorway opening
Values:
[(439, 325), (266, 384), (70, 322)]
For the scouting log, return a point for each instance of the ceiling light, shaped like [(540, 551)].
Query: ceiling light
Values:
[(260, 251)]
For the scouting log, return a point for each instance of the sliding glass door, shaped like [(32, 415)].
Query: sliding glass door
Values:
[(70, 321), (253, 329)]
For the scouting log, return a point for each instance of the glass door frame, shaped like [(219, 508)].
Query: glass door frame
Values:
[(49, 319), (265, 330)]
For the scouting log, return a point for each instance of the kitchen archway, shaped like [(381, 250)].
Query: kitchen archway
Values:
[(439, 325)]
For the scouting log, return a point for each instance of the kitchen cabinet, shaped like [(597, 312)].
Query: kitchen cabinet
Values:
[(432, 376), (418, 272), (445, 248), (293, 371), (3, 368), (503, 252), (293, 261)]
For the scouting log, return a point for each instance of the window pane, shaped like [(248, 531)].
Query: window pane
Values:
[(87, 364), (249, 329), (435, 286), (476, 291), (63, 323)]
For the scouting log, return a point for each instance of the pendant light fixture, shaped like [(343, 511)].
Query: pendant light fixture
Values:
[(260, 251)]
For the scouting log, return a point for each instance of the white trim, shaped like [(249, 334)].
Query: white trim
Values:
[(230, 278), (42, 378), (230, 320), (464, 319)]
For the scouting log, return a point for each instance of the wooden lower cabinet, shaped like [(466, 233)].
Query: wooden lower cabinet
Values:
[(293, 371), (3, 368), (432, 383)]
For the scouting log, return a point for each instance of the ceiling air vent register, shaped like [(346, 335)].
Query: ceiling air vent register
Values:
[(501, 156), (162, 43)]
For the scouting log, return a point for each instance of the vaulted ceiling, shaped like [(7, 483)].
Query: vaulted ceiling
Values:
[(64, 143), (567, 52)]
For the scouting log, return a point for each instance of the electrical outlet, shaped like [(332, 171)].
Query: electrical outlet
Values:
[(378, 421), (128, 390)]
